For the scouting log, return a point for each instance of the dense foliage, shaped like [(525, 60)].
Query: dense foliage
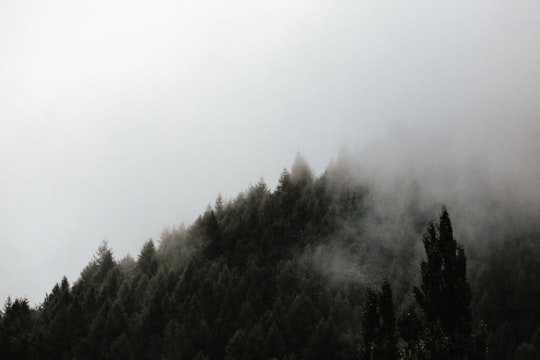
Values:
[(293, 273)]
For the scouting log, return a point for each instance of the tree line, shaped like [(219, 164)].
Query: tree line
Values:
[(246, 281)]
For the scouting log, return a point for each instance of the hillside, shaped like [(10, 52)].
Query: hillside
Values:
[(291, 273)]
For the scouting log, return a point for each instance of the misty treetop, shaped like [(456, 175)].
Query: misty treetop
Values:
[(310, 270)]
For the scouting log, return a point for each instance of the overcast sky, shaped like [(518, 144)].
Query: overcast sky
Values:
[(121, 118)]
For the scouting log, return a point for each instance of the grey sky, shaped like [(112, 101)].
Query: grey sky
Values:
[(120, 118)]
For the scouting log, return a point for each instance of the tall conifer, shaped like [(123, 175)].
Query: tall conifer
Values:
[(444, 295)]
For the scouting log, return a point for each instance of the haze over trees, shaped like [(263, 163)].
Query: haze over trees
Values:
[(310, 270)]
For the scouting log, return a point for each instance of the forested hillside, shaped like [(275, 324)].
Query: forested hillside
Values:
[(310, 270)]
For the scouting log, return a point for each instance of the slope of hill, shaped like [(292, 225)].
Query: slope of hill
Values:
[(283, 274)]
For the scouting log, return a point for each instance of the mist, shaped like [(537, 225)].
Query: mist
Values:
[(486, 174), (119, 119)]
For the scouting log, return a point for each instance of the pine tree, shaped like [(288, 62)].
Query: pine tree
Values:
[(444, 295), (379, 325), (388, 323), (147, 262), (370, 325)]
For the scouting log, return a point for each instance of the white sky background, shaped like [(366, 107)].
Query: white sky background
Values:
[(120, 118)]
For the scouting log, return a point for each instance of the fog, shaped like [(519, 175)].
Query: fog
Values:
[(121, 118), (488, 183)]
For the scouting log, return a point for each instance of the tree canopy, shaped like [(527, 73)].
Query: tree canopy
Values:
[(304, 271)]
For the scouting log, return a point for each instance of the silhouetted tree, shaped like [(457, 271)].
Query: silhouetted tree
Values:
[(444, 295), (146, 261), (379, 325), (14, 330)]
